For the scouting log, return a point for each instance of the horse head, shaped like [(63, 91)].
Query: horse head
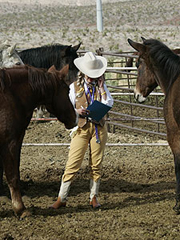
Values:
[(146, 81), (159, 65), (61, 106), (9, 56), (69, 53)]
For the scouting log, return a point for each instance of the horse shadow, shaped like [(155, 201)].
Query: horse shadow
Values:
[(153, 193), (50, 188)]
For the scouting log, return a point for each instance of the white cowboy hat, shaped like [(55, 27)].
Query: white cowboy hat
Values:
[(91, 65)]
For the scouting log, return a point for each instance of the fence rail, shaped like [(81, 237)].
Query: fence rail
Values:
[(107, 144), (146, 118), (121, 82)]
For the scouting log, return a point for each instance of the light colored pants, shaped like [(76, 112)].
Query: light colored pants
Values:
[(79, 144)]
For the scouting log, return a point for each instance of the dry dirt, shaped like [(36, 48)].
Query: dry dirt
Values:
[(137, 190)]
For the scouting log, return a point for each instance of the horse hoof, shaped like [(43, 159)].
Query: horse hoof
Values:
[(25, 214), (176, 208)]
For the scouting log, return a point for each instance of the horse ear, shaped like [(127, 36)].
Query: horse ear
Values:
[(68, 49), (76, 47), (64, 71), (137, 46), (52, 69), (143, 39), (11, 49)]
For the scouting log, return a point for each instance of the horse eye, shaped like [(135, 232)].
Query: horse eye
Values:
[(18, 63)]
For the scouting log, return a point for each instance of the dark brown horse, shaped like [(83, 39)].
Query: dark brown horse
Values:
[(142, 90), (22, 89), (56, 54), (165, 65)]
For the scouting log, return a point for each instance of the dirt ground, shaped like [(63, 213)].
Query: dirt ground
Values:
[(137, 191)]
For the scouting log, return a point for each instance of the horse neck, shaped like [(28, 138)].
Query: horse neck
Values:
[(162, 82), (31, 86), (166, 67), (43, 85)]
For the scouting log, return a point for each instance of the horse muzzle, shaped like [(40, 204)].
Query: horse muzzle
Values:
[(139, 97), (70, 126)]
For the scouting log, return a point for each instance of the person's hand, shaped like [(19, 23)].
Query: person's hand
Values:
[(82, 111), (101, 81)]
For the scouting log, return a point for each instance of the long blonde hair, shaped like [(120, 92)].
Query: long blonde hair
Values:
[(80, 83)]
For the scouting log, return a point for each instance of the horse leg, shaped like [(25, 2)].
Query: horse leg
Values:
[(177, 173), (11, 160), (174, 143), (1, 178)]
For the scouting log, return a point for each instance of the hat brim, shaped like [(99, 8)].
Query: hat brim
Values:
[(92, 73)]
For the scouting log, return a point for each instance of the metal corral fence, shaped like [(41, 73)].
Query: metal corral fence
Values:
[(146, 118), (126, 112)]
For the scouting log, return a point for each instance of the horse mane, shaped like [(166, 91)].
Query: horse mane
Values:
[(164, 59), (40, 80), (48, 54)]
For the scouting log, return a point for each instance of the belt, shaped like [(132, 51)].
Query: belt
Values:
[(90, 120), (95, 123)]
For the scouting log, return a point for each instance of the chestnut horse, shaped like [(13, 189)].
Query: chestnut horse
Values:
[(41, 57), (8, 58), (165, 65), (22, 89)]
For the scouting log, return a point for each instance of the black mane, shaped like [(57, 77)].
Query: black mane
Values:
[(164, 60), (46, 56)]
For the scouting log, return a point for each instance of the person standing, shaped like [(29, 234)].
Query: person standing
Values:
[(89, 86)]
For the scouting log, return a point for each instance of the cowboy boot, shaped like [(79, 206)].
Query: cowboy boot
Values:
[(94, 190), (62, 197)]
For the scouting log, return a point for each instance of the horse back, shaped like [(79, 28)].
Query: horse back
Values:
[(46, 56), (14, 74)]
